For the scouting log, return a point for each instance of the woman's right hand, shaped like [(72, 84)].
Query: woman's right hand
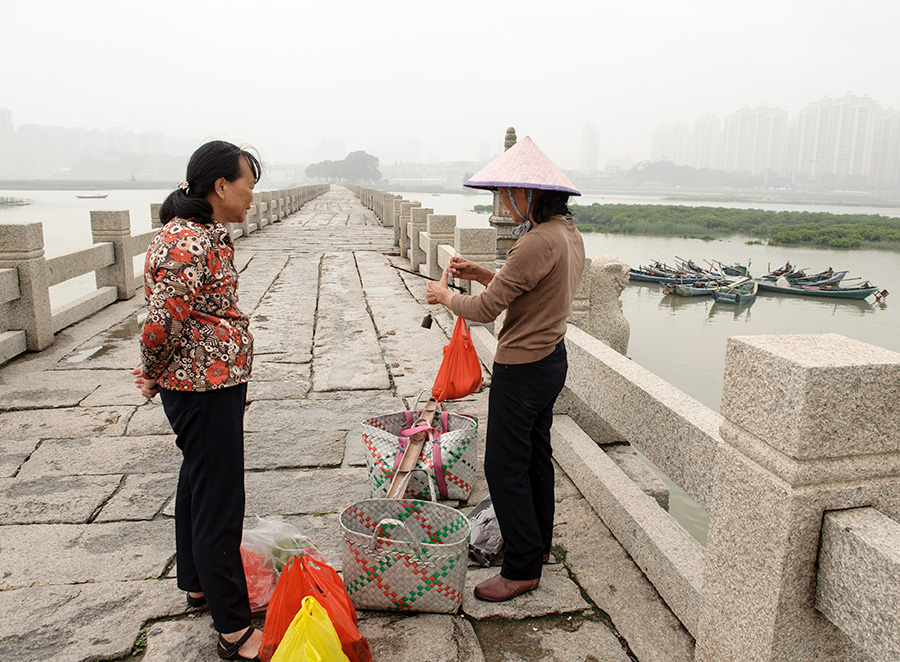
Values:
[(460, 267), (148, 387)]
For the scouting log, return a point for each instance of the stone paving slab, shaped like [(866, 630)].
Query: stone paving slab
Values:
[(47, 390), (557, 594), (149, 419), (141, 497), (54, 499), (293, 449), (304, 491), (114, 388), (255, 280), (286, 314), (346, 353), (279, 381), (103, 455), (70, 423), (115, 348), (50, 554), (13, 452), (83, 621), (574, 638), (432, 637)]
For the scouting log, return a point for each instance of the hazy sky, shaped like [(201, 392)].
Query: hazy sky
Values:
[(287, 76)]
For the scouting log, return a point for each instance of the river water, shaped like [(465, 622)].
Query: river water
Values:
[(681, 340)]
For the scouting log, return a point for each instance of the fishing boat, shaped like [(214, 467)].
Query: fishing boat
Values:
[(648, 276), (829, 290), (735, 269), (704, 287), (740, 292), (93, 196)]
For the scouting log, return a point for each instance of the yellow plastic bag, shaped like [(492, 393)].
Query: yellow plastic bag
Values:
[(311, 637)]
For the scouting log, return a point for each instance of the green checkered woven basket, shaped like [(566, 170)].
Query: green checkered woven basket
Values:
[(404, 555)]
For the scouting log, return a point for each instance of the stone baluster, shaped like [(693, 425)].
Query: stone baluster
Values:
[(811, 425), (478, 245), (155, 223), (387, 217), (439, 229), (22, 248), (265, 209), (418, 216), (115, 227), (403, 229), (601, 286)]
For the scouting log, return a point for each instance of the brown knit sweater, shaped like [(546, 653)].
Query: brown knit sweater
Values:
[(536, 287)]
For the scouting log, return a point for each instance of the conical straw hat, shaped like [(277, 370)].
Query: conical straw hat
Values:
[(523, 165)]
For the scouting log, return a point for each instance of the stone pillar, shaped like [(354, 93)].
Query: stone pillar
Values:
[(22, 248), (500, 218), (416, 225), (115, 227), (477, 245), (401, 233), (387, 218), (250, 222), (811, 425), (155, 223), (440, 230), (604, 279)]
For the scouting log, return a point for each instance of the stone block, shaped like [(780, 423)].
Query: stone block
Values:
[(93, 621), (475, 242), (441, 224), (103, 455), (858, 587), (13, 452), (294, 449), (825, 396), (141, 497), (432, 637), (557, 594), (54, 499), (575, 638), (149, 419), (77, 553), (304, 491), (649, 483), (70, 423)]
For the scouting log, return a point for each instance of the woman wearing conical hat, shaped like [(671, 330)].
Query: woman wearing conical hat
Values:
[(535, 287)]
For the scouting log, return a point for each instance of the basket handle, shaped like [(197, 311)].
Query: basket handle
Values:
[(412, 539), (398, 486)]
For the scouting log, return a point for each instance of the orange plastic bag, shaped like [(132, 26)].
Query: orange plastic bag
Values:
[(305, 576), (460, 371), (260, 580)]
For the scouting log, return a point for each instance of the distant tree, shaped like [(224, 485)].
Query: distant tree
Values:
[(356, 167)]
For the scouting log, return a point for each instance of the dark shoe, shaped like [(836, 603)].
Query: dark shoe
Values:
[(500, 589), (231, 651), (196, 602)]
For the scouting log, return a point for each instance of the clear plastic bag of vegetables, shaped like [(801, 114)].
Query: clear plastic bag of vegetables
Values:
[(266, 548)]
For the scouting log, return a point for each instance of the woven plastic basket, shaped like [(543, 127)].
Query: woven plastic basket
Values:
[(404, 555)]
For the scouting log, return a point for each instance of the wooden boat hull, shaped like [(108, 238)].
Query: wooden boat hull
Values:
[(838, 293), (744, 293)]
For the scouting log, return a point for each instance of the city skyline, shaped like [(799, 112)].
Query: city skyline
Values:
[(434, 82)]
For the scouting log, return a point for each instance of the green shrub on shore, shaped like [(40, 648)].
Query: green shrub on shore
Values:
[(775, 228)]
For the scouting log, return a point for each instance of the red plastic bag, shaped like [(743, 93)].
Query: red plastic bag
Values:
[(305, 576), (260, 580), (460, 371)]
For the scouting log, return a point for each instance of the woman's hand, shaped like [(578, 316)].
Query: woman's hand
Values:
[(460, 267), (438, 292), (146, 386)]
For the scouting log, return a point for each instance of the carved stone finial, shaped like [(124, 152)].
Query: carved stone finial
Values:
[(608, 277), (510, 138)]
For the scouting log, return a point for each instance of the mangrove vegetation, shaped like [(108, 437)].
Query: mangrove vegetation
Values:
[(796, 228)]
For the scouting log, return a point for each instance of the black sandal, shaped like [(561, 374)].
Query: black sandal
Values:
[(231, 651), (195, 602)]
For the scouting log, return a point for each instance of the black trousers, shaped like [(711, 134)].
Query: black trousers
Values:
[(209, 504), (517, 458)]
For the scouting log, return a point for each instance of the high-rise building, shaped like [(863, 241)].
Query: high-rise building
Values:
[(755, 141), (672, 143), (7, 144), (886, 152), (706, 143), (590, 147)]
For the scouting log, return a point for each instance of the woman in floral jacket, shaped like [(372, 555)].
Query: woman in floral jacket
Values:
[(197, 353)]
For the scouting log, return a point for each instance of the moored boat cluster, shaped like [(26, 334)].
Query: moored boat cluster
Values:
[(734, 284)]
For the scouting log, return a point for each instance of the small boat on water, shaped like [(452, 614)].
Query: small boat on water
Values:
[(699, 288), (740, 292), (93, 196), (833, 290)]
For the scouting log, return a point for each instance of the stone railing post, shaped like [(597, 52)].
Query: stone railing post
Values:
[(811, 425), (417, 219), (387, 219), (439, 229), (401, 232), (478, 245), (115, 227), (603, 281), (22, 248), (155, 223)]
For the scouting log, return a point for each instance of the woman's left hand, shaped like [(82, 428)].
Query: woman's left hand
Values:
[(438, 292), (148, 387)]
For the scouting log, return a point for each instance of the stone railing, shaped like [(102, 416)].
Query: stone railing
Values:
[(800, 474), (26, 276)]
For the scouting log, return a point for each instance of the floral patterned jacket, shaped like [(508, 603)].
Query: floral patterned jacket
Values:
[(194, 337)]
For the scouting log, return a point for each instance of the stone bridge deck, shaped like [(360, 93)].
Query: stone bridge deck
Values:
[(88, 471)]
